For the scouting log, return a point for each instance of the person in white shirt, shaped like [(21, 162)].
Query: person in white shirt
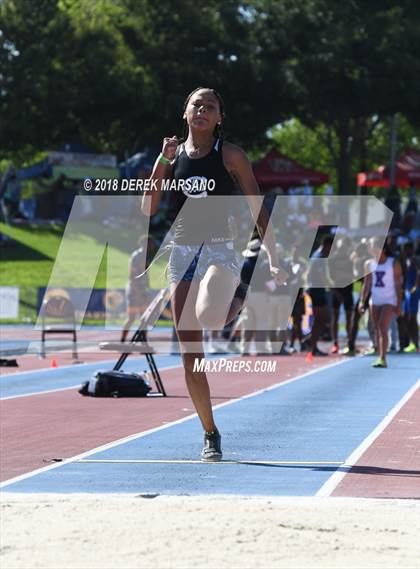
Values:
[(384, 282)]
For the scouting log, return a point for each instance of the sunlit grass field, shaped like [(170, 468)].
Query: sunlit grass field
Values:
[(28, 260)]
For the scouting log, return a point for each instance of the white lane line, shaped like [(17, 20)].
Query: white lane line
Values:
[(70, 366), (35, 372), (39, 392), (31, 394), (331, 484), (227, 461), (162, 427)]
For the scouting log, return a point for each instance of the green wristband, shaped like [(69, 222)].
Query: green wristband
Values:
[(163, 160)]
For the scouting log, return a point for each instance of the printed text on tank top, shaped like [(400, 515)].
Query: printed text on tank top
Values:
[(199, 179), (383, 283)]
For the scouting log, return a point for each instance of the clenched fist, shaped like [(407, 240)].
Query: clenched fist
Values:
[(169, 147)]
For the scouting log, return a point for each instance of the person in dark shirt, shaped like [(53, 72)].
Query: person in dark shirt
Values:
[(317, 273), (297, 271), (343, 267), (204, 270), (358, 259), (256, 273), (137, 293), (411, 296)]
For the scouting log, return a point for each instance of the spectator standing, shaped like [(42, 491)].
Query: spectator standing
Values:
[(318, 273), (137, 290), (257, 303), (341, 296), (411, 297)]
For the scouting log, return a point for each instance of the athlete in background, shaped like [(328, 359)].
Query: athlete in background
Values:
[(411, 297), (384, 282)]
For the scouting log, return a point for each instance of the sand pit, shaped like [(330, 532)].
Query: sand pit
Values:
[(78, 531)]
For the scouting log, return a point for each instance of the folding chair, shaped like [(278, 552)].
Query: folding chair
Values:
[(60, 310), (138, 343)]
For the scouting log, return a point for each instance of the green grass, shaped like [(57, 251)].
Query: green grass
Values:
[(28, 261)]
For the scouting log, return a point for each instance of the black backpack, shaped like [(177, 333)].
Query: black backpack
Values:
[(116, 384)]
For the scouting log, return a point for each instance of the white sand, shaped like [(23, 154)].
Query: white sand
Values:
[(77, 531)]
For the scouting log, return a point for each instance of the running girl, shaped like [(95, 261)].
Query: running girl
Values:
[(385, 284), (203, 293)]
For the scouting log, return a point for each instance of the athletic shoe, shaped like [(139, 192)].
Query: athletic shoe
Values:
[(212, 451), (216, 348), (370, 351), (334, 349), (347, 352), (392, 348), (380, 363), (318, 352), (410, 349)]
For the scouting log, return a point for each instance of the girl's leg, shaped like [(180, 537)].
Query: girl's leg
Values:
[(132, 315), (393, 327), (320, 319), (349, 315), (413, 328), (214, 306), (371, 331), (126, 328), (386, 315), (190, 340), (354, 326), (334, 322), (374, 318), (297, 330), (249, 324), (403, 332)]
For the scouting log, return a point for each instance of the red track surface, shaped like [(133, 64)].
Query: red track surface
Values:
[(390, 467), (63, 424), (31, 362)]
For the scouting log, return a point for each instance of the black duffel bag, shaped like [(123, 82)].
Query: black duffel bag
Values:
[(116, 384)]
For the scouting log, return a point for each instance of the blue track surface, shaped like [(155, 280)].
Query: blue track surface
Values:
[(319, 418), (69, 376)]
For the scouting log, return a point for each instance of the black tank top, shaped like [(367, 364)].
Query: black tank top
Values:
[(198, 181)]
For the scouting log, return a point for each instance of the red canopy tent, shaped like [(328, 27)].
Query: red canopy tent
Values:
[(275, 169), (407, 173)]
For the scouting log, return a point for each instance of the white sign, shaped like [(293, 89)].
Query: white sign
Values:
[(9, 302)]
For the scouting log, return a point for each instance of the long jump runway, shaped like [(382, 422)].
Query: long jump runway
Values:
[(345, 429)]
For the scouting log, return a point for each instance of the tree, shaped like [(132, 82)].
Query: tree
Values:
[(349, 65), (307, 145), (58, 84), (304, 145), (114, 74)]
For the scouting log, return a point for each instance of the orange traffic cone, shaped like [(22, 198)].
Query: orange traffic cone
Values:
[(53, 363), (309, 357)]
